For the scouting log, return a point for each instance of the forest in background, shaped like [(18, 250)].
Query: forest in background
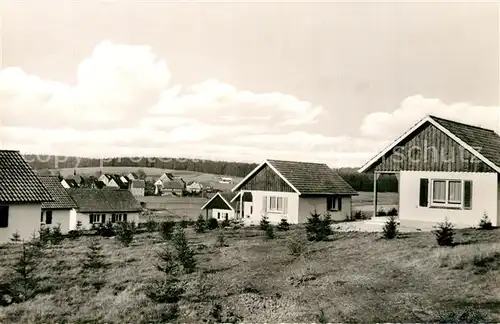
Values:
[(359, 181)]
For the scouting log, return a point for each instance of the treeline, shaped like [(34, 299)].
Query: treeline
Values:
[(359, 181)]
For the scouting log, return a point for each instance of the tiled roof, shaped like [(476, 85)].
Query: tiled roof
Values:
[(174, 184), (104, 201), (312, 178), (486, 140), (119, 182), (18, 182), (62, 200), (138, 183)]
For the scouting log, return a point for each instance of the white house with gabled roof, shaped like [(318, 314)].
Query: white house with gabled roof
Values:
[(293, 190), (446, 170)]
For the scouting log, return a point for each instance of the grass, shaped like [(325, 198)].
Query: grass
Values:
[(356, 277)]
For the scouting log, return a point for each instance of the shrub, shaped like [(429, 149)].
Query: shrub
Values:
[(225, 223), (444, 233), (392, 212), (390, 228), (56, 236), (44, 236), (151, 225), (381, 212), (125, 232), (221, 239), (264, 223), (106, 230), (485, 223), (212, 223), (270, 232), (283, 225), (93, 257), (167, 229), (318, 229), (200, 224), (24, 282), (16, 237), (296, 244), (359, 215), (168, 290), (184, 223), (184, 253)]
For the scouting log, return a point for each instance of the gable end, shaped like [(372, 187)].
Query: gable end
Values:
[(266, 180)]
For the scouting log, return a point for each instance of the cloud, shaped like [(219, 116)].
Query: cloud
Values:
[(390, 125)]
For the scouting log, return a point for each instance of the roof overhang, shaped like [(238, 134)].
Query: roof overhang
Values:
[(223, 199), (256, 170), (424, 120)]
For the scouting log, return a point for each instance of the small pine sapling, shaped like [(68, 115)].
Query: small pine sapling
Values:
[(264, 223), (25, 281), (184, 252), (444, 233), (16, 237), (270, 232), (485, 223), (166, 230), (94, 259), (283, 225), (125, 232), (390, 228), (200, 224), (212, 223)]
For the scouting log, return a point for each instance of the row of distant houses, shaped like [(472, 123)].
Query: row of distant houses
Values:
[(169, 184), (29, 202), (129, 182)]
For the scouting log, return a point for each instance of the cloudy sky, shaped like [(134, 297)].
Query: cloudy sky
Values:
[(327, 82)]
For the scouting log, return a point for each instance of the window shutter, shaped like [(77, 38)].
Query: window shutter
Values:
[(285, 205), (124, 217), (424, 192), (4, 216), (103, 220), (113, 218), (467, 194), (339, 206), (264, 204)]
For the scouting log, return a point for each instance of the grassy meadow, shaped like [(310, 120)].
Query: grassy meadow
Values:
[(356, 277)]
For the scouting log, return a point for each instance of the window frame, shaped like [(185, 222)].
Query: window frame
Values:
[(335, 204), (446, 203), (47, 214), (278, 202)]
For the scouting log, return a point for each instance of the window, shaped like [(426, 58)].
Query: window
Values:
[(4, 216), (95, 218), (333, 203), (448, 193), (41, 217), (48, 217), (276, 204), (218, 215)]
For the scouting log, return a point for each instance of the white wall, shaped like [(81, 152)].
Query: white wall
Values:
[(274, 218), (137, 191), (22, 218), (485, 197), (85, 218), (308, 205), (60, 216), (213, 213)]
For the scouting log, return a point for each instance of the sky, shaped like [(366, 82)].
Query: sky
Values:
[(330, 82)]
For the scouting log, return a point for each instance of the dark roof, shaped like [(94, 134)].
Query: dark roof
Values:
[(100, 184), (173, 184), (119, 182), (216, 202), (138, 183), (134, 175), (486, 139), (62, 200), (312, 178), (104, 201), (18, 182), (72, 183), (78, 179)]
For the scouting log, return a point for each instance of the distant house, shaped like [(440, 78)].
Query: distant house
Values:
[(77, 178), (226, 180), (116, 182), (173, 187), (166, 176), (293, 190), (194, 187), (132, 176), (105, 178), (220, 207), (60, 211), (445, 169), (100, 206), (69, 183), (98, 185), (137, 187), (206, 186), (21, 197)]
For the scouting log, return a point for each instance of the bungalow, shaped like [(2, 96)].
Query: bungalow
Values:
[(100, 206), (116, 182), (105, 178), (77, 178), (137, 187), (445, 169), (174, 187), (220, 206), (60, 211), (194, 187), (293, 190), (21, 197), (132, 176), (69, 183), (166, 176)]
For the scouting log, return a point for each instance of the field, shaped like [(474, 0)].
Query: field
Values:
[(151, 173), (357, 277), (189, 207)]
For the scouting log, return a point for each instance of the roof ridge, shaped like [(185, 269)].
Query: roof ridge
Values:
[(462, 123), (280, 160)]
